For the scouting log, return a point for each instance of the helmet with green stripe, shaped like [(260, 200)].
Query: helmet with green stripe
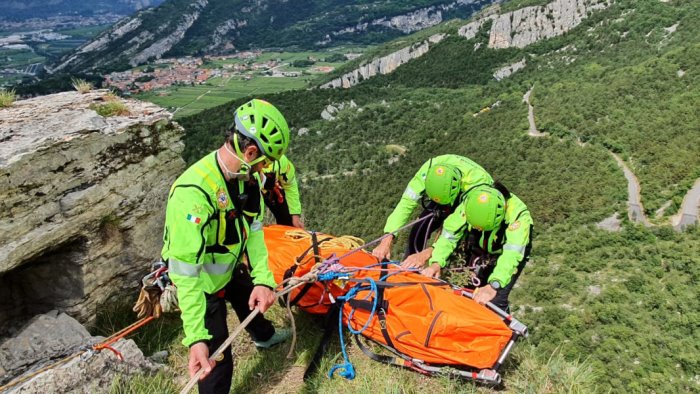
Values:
[(263, 123), (484, 207), (443, 183)]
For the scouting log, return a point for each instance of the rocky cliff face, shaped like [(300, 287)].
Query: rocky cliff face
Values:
[(411, 21), (151, 43), (518, 28), (82, 201), (528, 25), (385, 64)]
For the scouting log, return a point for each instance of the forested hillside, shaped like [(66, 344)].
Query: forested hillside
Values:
[(625, 81)]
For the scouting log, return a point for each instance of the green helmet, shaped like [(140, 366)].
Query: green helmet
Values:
[(485, 208), (443, 183), (264, 124)]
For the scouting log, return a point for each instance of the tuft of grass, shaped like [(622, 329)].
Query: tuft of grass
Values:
[(81, 85), (155, 336), (162, 382), (110, 108), (534, 374), (7, 97)]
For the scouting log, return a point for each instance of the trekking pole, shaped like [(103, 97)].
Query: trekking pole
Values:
[(244, 324)]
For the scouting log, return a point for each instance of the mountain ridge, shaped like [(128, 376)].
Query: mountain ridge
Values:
[(181, 27)]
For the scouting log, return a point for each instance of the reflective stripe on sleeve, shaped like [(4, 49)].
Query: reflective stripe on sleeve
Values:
[(449, 236), (516, 248), (411, 194), (256, 225), (183, 269)]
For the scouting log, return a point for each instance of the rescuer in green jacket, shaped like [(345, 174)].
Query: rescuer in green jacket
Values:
[(494, 225), (214, 218), (466, 173), (281, 192)]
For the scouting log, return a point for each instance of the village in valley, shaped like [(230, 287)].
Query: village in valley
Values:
[(186, 85), (184, 71)]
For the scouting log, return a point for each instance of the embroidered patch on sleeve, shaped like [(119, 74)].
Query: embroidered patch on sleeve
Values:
[(193, 219), (514, 226)]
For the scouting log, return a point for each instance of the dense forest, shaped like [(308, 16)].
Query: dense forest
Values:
[(627, 81)]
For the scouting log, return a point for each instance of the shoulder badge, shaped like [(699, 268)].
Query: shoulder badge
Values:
[(514, 226), (221, 199)]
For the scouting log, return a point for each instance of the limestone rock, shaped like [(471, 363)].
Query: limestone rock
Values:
[(385, 64), (52, 337), (528, 25), (508, 70), (82, 200)]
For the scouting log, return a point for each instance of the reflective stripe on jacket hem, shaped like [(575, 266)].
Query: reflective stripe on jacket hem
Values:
[(181, 268)]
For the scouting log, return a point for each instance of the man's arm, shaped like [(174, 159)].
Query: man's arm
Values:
[(452, 231), (408, 202), (516, 240), (291, 188), (186, 213), (257, 252)]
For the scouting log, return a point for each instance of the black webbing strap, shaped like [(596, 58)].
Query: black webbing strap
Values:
[(291, 270), (391, 360), (381, 310), (330, 326)]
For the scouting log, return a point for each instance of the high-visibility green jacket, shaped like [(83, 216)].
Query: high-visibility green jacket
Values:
[(284, 172), (207, 229), (472, 175), (509, 241)]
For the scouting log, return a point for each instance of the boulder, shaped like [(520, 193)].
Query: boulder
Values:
[(82, 200)]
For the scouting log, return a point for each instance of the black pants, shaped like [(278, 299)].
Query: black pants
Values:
[(420, 233), (279, 209), (501, 298), (237, 292)]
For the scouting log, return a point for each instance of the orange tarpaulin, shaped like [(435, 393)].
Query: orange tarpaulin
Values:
[(425, 319)]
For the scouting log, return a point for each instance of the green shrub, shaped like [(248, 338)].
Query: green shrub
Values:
[(7, 97)]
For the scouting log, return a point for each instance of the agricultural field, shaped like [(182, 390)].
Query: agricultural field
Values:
[(189, 100), (186, 100)]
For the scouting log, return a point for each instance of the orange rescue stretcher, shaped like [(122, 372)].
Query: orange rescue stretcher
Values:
[(424, 324)]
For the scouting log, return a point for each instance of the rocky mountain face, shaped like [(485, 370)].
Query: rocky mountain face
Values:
[(519, 29), (528, 25), (384, 64), (183, 27), (82, 201)]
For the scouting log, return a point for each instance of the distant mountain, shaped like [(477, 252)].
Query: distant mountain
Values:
[(186, 27), (17, 10)]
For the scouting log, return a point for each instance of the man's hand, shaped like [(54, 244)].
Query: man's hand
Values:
[(262, 297), (484, 294), (383, 251), (432, 271), (199, 358), (296, 222), (417, 260)]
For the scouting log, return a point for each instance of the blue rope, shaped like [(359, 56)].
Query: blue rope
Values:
[(346, 369)]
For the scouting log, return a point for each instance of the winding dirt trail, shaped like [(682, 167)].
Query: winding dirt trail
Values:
[(688, 213), (635, 209), (531, 115)]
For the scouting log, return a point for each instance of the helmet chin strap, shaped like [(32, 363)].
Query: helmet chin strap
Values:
[(244, 173)]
